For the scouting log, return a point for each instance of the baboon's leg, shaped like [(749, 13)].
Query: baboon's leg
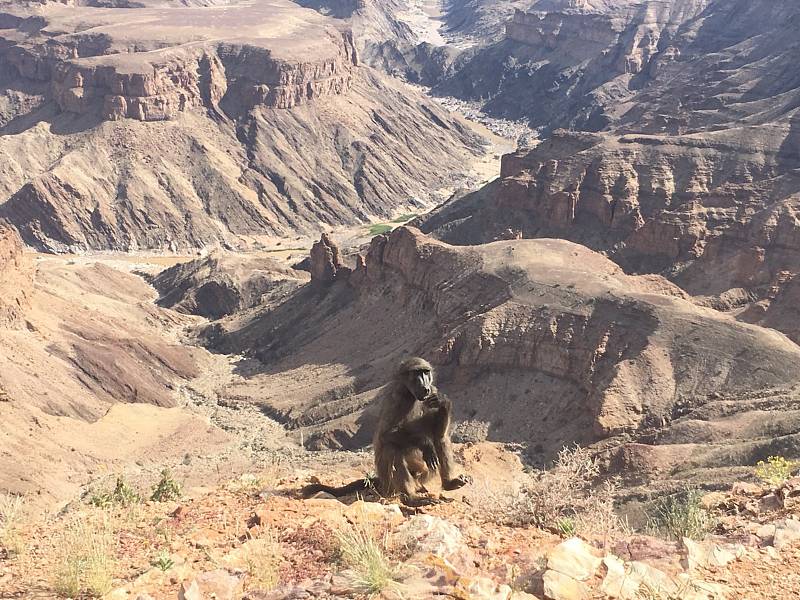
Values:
[(405, 484), (418, 469), (444, 451), (394, 476)]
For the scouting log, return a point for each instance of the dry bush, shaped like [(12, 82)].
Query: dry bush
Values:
[(563, 499), (11, 514), (247, 484), (680, 515), (84, 556)]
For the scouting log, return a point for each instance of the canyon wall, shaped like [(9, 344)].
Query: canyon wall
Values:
[(178, 128), (90, 74), (16, 279)]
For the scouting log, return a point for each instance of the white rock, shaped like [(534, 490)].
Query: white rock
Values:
[(574, 558), (431, 535), (218, 584), (708, 554), (787, 533), (619, 582), (558, 586)]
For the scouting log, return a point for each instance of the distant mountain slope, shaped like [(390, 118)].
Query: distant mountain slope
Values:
[(691, 166), (170, 127)]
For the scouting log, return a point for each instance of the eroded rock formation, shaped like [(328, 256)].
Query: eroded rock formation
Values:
[(544, 340), (16, 278), (221, 284), (272, 128)]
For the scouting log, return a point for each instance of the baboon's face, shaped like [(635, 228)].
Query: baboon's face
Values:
[(420, 383)]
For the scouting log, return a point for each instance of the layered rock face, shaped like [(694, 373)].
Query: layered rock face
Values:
[(715, 211), (691, 166), (113, 74), (175, 128), (565, 63), (16, 278), (544, 340)]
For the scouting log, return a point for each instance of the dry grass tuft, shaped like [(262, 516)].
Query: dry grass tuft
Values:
[(11, 514), (365, 554), (85, 551), (262, 555)]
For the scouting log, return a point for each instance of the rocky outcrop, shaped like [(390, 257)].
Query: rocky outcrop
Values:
[(102, 74), (325, 264), (221, 284), (692, 171), (581, 351), (716, 213), (16, 278)]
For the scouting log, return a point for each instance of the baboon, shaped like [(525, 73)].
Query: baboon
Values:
[(411, 442)]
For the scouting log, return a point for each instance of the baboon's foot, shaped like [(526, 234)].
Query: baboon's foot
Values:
[(457, 482), (416, 501)]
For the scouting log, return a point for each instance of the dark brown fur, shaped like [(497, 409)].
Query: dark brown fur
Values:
[(411, 442)]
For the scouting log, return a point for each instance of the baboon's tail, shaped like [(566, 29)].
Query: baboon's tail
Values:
[(366, 483)]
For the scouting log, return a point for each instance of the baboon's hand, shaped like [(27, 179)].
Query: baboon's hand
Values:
[(430, 458), (457, 482), (433, 401)]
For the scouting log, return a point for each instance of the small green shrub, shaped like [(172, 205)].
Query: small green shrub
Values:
[(163, 562), (379, 228), (680, 515), (566, 527), (122, 495), (775, 470), (166, 489)]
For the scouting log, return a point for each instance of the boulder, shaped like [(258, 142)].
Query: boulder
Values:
[(558, 586), (709, 554), (618, 582), (218, 584), (425, 534), (787, 533), (574, 558), (374, 513)]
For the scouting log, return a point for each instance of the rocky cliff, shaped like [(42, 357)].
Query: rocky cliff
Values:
[(687, 162), (168, 127), (544, 340), (16, 278), (111, 74)]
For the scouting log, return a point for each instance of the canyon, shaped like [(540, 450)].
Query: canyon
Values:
[(673, 149), (223, 223), (199, 119)]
